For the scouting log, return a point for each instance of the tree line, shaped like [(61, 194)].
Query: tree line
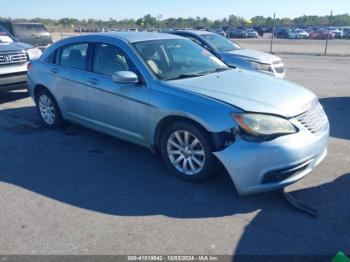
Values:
[(149, 21)]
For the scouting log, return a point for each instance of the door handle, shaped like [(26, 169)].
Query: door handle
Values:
[(93, 81), (54, 70)]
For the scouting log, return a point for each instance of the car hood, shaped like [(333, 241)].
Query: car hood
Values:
[(253, 55), (15, 46), (250, 91)]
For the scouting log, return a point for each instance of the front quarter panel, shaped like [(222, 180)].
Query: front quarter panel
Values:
[(213, 115), (232, 60)]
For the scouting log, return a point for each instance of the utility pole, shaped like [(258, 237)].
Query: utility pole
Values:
[(61, 34), (229, 28), (329, 28), (273, 32)]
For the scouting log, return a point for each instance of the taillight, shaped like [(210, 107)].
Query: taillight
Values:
[(29, 66)]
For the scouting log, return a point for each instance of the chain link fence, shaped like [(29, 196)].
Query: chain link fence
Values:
[(336, 47)]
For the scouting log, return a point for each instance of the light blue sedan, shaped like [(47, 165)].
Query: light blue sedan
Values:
[(168, 94)]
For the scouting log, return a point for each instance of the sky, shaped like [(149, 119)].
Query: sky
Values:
[(213, 9)]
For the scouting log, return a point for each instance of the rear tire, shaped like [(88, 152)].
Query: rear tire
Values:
[(187, 151), (48, 109)]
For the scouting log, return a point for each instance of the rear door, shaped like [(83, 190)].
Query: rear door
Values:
[(69, 77)]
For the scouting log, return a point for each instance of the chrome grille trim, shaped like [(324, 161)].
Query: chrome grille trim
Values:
[(13, 58), (315, 119)]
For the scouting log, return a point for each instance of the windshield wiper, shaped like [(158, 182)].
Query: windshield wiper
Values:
[(182, 76), (216, 70)]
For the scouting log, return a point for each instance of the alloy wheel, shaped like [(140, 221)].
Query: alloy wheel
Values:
[(186, 152), (47, 109)]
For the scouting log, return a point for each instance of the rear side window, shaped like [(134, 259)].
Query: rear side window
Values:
[(109, 59), (74, 56)]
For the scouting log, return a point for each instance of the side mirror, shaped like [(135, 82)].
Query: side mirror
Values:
[(125, 77)]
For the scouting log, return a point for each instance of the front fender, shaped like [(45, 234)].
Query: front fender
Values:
[(236, 61), (213, 115)]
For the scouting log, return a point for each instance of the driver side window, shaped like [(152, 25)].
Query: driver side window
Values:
[(109, 59)]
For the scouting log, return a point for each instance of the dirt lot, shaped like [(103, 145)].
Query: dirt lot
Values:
[(74, 191)]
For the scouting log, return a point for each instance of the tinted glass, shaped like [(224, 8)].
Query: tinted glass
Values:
[(195, 40), (28, 29), (109, 59), (221, 43), (74, 56), (4, 36), (178, 58)]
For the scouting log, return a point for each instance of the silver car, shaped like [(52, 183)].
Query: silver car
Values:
[(168, 94), (235, 55)]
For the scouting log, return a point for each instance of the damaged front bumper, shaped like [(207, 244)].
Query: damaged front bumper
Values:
[(262, 166)]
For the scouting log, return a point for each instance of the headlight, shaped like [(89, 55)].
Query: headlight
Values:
[(263, 125), (34, 53), (260, 67)]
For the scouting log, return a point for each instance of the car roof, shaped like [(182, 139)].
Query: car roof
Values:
[(132, 37), (26, 23), (194, 32)]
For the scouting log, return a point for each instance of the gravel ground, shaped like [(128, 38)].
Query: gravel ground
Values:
[(75, 191), (298, 46)]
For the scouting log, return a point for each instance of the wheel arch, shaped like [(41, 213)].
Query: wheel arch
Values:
[(218, 140), (37, 89)]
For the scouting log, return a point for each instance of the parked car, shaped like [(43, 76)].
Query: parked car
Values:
[(219, 31), (34, 34), (321, 34), (338, 33), (251, 33), (238, 33), (308, 30), (235, 55), (298, 34), (346, 33), (14, 56), (282, 32), (172, 96), (260, 30)]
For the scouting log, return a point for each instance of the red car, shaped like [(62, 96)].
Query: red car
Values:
[(321, 34)]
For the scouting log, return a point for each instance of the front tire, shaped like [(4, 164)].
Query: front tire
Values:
[(48, 109), (187, 151)]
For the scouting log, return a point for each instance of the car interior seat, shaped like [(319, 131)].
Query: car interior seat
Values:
[(76, 59), (149, 52)]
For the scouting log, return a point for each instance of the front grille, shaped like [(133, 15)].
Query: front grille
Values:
[(13, 74), (315, 119), (13, 58)]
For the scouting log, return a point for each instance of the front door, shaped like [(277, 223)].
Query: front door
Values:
[(118, 109)]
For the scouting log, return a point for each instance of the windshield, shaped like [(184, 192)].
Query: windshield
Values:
[(4, 36), (178, 58), (29, 29), (221, 43)]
